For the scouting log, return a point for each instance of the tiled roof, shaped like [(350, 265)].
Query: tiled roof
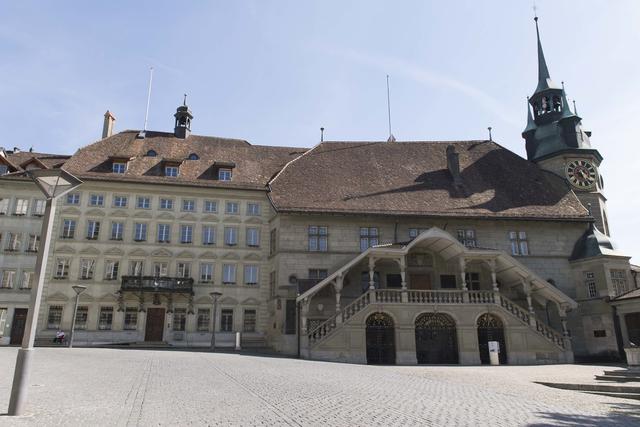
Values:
[(635, 293), (255, 165), (411, 178), (22, 158)]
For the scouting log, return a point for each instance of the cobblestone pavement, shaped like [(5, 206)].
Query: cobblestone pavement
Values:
[(146, 387)]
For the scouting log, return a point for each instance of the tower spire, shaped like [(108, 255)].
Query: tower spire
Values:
[(531, 124), (544, 79)]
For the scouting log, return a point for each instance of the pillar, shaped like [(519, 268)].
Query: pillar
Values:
[(304, 312), (562, 311), (403, 272), (372, 264), (337, 286), (494, 279), (463, 273)]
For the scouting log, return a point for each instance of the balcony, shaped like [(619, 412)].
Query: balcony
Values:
[(157, 284)]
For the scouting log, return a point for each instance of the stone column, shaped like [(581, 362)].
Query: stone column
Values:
[(304, 312), (494, 280), (337, 286), (562, 311), (372, 264), (403, 276), (526, 287), (463, 272)]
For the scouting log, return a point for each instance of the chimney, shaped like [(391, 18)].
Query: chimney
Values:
[(107, 126), (453, 164)]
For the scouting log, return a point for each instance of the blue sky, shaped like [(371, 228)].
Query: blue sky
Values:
[(274, 72)]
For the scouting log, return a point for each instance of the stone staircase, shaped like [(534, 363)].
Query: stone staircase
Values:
[(436, 297), (623, 383)]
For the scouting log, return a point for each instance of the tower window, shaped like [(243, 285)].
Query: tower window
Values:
[(557, 104), (119, 167), (545, 105)]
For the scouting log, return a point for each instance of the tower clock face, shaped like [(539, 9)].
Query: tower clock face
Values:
[(582, 174)]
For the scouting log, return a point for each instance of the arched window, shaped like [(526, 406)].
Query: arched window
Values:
[(557, 104), (193, 156), (536, 109), (545, 105), (151, 153)]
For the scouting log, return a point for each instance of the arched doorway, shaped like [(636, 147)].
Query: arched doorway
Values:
[(381, 343), (491, 328), (436, 339)]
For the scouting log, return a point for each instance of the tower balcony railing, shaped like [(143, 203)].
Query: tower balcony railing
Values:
[(157, 284)]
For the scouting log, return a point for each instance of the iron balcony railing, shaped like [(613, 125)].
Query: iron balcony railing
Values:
[(157, 284)]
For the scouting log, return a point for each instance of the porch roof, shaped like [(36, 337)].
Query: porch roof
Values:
[(508, 269)]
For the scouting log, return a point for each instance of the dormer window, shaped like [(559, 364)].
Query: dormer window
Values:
[(119, 167), (171, 171), (151, 153), (193, 156), (4, 169), (224, 174)]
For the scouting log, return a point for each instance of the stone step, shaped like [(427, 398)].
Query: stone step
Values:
[(619, 379), (607, 388), (634, 396), (624, 373)]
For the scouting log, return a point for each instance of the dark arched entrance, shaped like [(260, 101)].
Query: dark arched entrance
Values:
[(490, 328), (381, 343), (436, 339)]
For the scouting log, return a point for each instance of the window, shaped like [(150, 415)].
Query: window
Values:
[(318, 273), (368, 237), (136, 268), (171, 171), (119, 167), (143, 202), (473, 281), (55, 317), (164, 233), (224, 174), (600, 333), (105, 321), (22, 207), (4, 169), (619, 281), (184, 270), (208, 235), (86, 268), (318, 238), (39, 206), (206, 273), (415, 232), (81, 317), (249, 324), (204, 319), (253, 209), (448, 281), (34, 243), (73, 199), (590, 284), (4, 206), (166, 204), (8, 279), (120, 201), (62, 268), (273, 240), (130, 319), (160, 269), (68, 228), (186, 234), (253, 237), (250, 274), (93, 229), (189, 205), (226, 320), (519, 244), (151, 153), (117, 230), (96, 200), (27, 279), (14, 242), (272, 284), (210, 206), (231, 236), (140, 232), (290, 321), (111, 269), (232, 208), (193, 156), (229, 274), (467, 238), (179, 319)]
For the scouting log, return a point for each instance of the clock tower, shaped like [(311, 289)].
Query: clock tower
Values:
[(556, 142)]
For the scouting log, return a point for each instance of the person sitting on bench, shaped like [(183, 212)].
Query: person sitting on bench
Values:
[(59, 337)]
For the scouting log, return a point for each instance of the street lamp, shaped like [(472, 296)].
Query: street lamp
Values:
[(54, 183), (214, 296), (78, 289)]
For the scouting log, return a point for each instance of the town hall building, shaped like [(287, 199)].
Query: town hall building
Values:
[(379, 252)]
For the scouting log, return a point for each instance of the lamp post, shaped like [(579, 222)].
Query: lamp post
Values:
[(78, 289), (54, 183), (214, 296)]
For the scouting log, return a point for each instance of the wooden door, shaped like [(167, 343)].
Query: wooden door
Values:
[(420, 281), (155, 324), (17, 327)]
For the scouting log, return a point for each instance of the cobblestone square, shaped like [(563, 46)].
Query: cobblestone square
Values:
[(153, 387)]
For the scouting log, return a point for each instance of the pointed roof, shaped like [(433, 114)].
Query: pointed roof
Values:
[(531, 124), (566, 111), (544, 79), (593, 243)]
